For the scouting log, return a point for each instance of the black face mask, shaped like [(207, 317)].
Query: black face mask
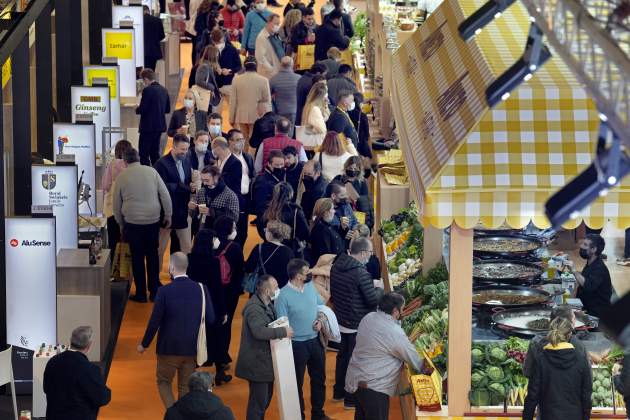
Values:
[(278, 172), (308, 181), (309, 278), (352, 173), (584, 253), (341, 201)]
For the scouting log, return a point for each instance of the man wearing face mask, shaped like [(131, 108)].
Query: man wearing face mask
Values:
[(233, 20), (264, 183), (314, 187), (278, 142), (298, 301), (200, 154), (236, 142), (231, 168), (329, 35), (214, 199), (355, 295), (229, 60), (340, 121), (254, 363), (381, 349), (293, 167), (344, 220), (255, 21), (594, 285), (154, 105), (215, 122), (342, 81), (269, 47), (175, 171)]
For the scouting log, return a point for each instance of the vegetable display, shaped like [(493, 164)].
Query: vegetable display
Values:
[(602, 395)]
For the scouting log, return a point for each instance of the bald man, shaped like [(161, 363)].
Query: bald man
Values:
[(178, 327), (283, 87)]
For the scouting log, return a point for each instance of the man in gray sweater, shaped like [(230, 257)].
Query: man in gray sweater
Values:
[(141, 205), (283, 86)]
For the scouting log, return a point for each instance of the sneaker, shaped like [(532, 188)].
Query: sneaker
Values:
[(623, 262)]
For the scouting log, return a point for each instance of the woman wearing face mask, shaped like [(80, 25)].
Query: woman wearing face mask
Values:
[(324, 238), (255, 21), (233, 20), (272, 254), (332, 155), (353, 175), (203, 267), (187, 119)]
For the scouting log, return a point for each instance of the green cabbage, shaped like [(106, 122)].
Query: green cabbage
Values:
[(478, 379), (477, 355), (496, 354), (479, 397), (495, 373)]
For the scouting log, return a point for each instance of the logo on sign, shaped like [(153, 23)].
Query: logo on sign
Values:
[(61, 141), (49, 181), (24, 341), (14, 242)]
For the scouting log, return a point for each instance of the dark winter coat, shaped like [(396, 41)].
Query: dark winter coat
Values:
[(352, 291), (312, 194), (254, 356), (561, 385), (264, 127), (178, 190), (535, 349), (199, 405), (329, 35), (325, 240), (363, 203), (340, 122), (622, 381)]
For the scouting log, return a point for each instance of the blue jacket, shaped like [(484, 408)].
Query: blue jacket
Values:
[(254, 23), (176, 316)]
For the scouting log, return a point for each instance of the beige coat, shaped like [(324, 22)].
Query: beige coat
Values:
[(268, 61), (250, 91)]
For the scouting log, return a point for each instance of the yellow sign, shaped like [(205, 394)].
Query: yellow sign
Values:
[(109, 74), (6, 72), (119, 44)]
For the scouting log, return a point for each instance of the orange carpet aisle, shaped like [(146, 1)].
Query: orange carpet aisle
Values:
[(132, 376)]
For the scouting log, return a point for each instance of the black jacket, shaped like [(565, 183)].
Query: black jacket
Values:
[(204, 269), (276, 264), (74, 388), (262, 191), (293, 177), (264, 127), (254, 362), (352, 291), (535, 349), (300, 6), (328, 35), (312, 194), (363, 203), (198, 405), (299, 35), (362, 127), (208, 158), (302, 89), (622, 381), (560, 386), (340, 122), (179, 191), (229, 58), (178, 118), (232, 174), (597, 290), (293, 212), (153, 36), (325, 240), (154, 105)]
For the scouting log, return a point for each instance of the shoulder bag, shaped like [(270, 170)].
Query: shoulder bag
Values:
[(202, 349), (251, 279), (308, 139), (297, 246)]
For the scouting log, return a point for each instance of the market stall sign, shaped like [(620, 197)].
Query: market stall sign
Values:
[(119, 44)]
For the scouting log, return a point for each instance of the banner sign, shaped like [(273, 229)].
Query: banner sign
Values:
[(57, 186), (119, 43), (79, 140), (112, 74), (135, 15), (31, 277), (95, 101)]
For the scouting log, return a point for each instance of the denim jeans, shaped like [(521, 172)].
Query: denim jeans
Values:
[(311, 354)]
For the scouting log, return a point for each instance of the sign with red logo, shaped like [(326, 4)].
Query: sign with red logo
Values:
[(14, 242)]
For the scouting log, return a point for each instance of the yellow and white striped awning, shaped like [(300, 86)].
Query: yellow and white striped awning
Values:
[(471, 164)]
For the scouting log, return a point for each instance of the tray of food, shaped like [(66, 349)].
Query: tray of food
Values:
[(505, 244), (533, 320), (503, 271), (508, 296)]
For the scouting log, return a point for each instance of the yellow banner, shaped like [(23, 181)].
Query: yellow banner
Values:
[(6, 72), (109, 74), (119, 44)]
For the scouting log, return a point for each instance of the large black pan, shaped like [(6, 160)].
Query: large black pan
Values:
[(523, 292), (502, 270), (515, 320), (498, 245)]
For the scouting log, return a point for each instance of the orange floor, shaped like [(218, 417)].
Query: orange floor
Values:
[(132, 376)]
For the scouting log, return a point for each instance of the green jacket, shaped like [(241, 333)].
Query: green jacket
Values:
[(254, 357)]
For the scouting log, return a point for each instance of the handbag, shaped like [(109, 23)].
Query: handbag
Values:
[(202, 349), (251, 279), (121, 264), (305, 57), (308, 138)]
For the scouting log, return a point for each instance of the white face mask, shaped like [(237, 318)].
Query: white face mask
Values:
[(215, 243), (189, 103), (260, 6), (215, 130), (221, 46), (232, 235), (275, 295), (351, 106), (201, 147), (276, 29)]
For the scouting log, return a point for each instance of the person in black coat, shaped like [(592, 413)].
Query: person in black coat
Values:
[(153, 36), (264, 127), (282, 208), (231, 168), (74, 387), (188, 119), (622, 380), (200, 403), (362, 127), (346, 21), (199, 154), (329, 35), (154, 105), (293, 167), (324, 238), (339, 120), (354, 295), (304, 86), (262, 188), (175, 171), (236, 141), (353, 175), (229, 57), (272, 254), (561, 384), (304, 32), (314, 187)]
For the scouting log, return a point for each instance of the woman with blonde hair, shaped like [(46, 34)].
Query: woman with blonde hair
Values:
[(314, 116), (325, 239), (189, 118), (291, 20), (204, 75), (561, 383), (332, 155)]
